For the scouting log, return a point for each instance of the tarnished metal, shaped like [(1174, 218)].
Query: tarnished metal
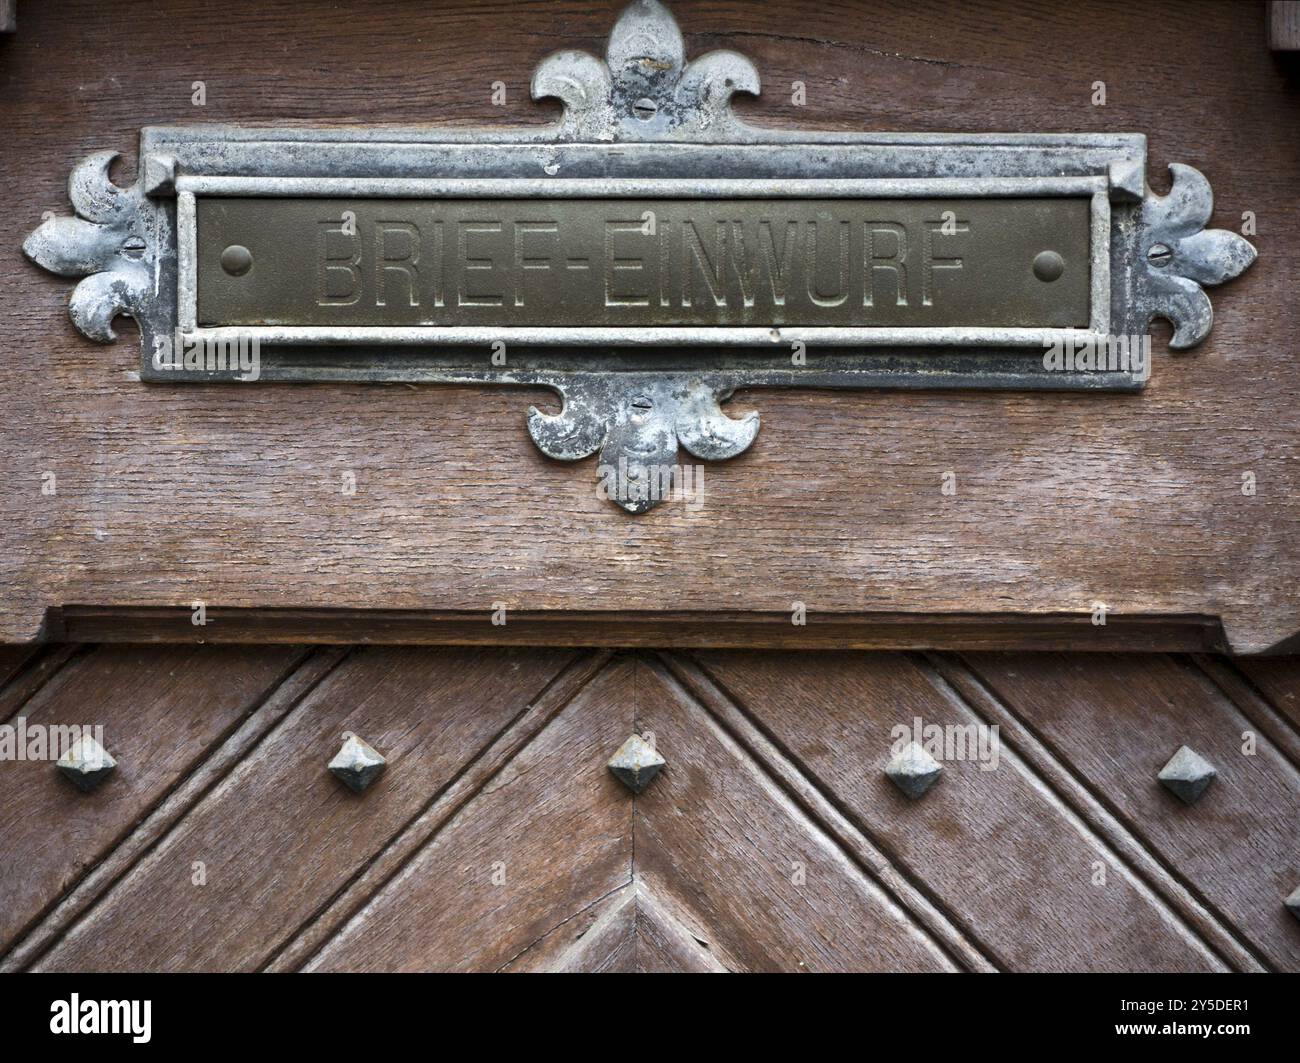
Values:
[(913, 770), (1187, 774), (86, 763), (572, 263), (646, 126), (636, 764), (357, 764)]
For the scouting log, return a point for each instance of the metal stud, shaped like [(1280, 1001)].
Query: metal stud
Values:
[(87, 764), (1293, 902), (357, 764), (1187, 774), (636, 763), (913, 770)]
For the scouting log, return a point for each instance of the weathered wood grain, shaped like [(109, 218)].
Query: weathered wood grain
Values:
[(164, 710), (231, 496), (1014, 866), (1118, 721), (547, 838), (748, 873), (280, 836)]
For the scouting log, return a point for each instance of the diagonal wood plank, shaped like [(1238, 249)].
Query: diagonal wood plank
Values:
[(734, 860), (1118, 719), (1002, 853), (280, 835), (1278, 679), (163, 710), (546, 840), (630, 932)]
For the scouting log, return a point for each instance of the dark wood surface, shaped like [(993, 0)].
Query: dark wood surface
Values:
[(171, 494), (497, 839)]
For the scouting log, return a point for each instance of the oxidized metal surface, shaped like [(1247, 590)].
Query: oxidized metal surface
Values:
[(636, 764), (86, 764), (913, 770), (356, 263), (1187, 774), (357, 764), (645, 125)]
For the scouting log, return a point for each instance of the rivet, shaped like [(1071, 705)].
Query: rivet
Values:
[(1187, 774), (913, 770), (645, 108), (236, 260), (1048, 266), (1293, 902), (357, 764), (636, 764), (87, 764)]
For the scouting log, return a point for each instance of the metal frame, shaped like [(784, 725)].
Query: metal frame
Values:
[(642, 122)]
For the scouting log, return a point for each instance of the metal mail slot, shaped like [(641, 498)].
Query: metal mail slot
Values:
[(562, 263)]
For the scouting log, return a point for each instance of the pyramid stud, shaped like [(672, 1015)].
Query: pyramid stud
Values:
[(636, 763), (357, 764), (1187, 774), (86, 763), (913, 770), (1293, 902)]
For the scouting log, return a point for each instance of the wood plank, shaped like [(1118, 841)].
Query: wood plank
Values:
[(746, 871), (149, 830), (643, 628), (1284, 25), (280, 835), (164, 709), (1046, 483), (447, 911), (998, 849), (1278, 679), (1117, 720)]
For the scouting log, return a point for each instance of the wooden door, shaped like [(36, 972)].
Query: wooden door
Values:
[(183, 566), (497, 839)]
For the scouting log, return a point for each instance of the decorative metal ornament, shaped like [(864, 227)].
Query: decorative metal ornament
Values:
[(357, 764), (643, 257), (86, 763), (1187, 774), (913, 770), (636, 764)]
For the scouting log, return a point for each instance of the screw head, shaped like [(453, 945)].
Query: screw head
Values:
[(1187, 775), (1293, 902), (86, 764), (636, 764), (1048, 266), (1160, 255), (913, 770), (236, 260), (645, 108), (357, 764)]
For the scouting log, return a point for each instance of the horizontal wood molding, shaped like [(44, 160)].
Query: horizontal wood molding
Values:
[(639, 629)]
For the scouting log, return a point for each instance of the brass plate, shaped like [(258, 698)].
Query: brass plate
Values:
[(643, 262)]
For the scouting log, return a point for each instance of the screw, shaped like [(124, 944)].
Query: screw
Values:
[(645, 108), (1160, 255)]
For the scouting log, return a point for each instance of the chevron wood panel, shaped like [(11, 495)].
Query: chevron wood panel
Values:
[(1117, 720), (496, 839), (993, 845)]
